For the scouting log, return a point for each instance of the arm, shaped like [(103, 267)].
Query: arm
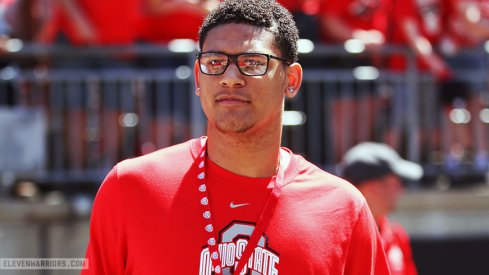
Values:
[(423, 49), (366, 254), (167, 7), (470, 13), (85, 29), (335, 28), (49, 25), (106, 249)]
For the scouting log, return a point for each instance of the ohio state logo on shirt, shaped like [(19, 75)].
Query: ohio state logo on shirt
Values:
[(233, 241)]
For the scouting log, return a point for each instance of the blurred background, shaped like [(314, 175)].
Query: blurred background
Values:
[(87, 83)]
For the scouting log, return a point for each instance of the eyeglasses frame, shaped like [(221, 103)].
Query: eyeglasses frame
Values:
[(234, 58)]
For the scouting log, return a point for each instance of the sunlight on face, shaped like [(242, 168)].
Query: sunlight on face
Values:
[(237, 103)]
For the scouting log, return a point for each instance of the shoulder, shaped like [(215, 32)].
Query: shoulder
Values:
[(174, 155), (311, 180), (149, 173), (173, 159), (314, 196), (309, 174)]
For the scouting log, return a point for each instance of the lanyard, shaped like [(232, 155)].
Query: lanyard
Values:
[(261, 225)]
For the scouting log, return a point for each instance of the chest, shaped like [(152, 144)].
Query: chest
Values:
[(171, 239)]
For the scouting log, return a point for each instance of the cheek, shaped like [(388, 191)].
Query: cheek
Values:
[(398, 187), (395, 191), (278, 77), (205, 102), (271, 100)]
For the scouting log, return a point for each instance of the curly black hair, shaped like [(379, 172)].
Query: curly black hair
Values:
[(261, 13)]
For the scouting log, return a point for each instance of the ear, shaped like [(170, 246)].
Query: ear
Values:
[(196, 78), (294, 80)]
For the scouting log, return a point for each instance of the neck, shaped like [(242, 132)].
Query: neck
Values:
[(247, 155)]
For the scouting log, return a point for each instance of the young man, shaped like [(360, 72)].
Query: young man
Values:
[(235, 202), (377, 170)]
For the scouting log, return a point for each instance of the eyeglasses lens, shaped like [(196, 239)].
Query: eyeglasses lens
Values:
[(248, 64)]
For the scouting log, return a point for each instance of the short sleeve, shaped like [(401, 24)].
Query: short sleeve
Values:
[(106, 248), (366, 254)]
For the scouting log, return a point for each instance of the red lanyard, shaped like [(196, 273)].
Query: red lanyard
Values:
[(261, 225)]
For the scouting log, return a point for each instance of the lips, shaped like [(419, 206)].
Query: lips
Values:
[(231, 99)]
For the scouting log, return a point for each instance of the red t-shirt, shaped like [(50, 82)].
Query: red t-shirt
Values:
[(428, 15), (115, 21), (310, 7), (454, 23), (397, 248), (359, 14), (291, 5), (176, 25), (147, 219)]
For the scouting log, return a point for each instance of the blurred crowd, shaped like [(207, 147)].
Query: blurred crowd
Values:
[(437, 32), (427, 26)]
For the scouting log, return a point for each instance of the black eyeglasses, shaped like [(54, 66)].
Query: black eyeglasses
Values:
[(251, 64)]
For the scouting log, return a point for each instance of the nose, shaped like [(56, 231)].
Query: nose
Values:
[(232, 77)]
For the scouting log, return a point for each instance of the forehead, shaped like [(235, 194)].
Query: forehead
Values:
[(237, 38)]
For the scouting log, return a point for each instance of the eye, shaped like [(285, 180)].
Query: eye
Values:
[(214, 60), (253, 64), (252, 61), (217, 62)]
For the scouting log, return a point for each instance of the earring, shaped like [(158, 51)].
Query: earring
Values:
[(197, 91), (291, 90)]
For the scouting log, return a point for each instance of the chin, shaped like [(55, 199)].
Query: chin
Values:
[(233, 126), (234, 130)]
